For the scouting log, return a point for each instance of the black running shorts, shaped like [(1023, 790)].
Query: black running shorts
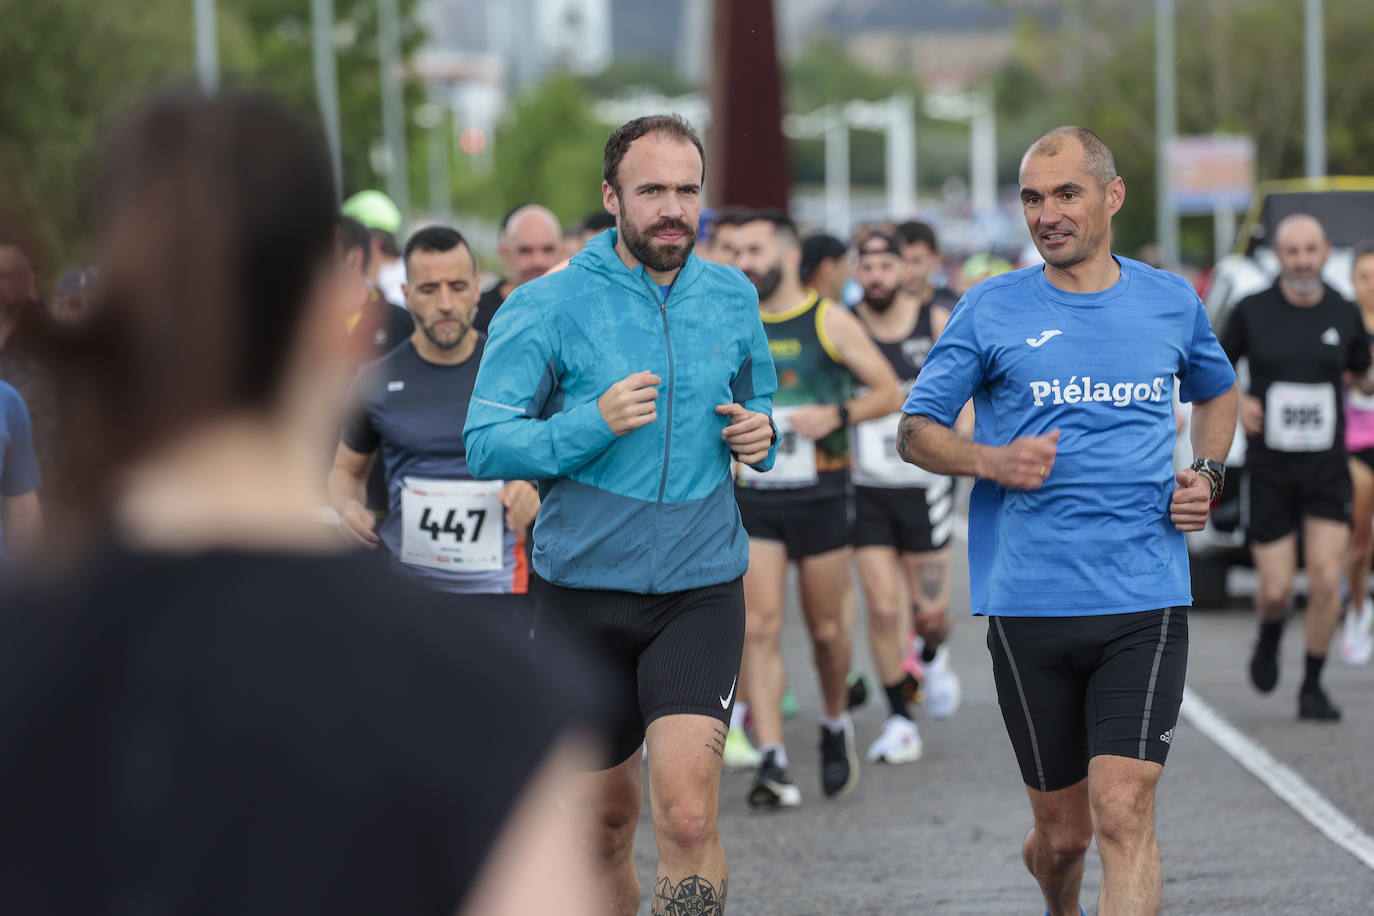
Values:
[(1365, 456), (677, 653), (1072, 688), (1279, 491), (806, 528), (913, 520)]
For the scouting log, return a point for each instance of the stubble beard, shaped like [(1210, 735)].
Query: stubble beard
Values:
[(658, 257)]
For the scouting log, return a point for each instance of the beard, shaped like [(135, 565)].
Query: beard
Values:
[(880, 299), (1303, 286), (766, 283), (658, 256), (446, 343)]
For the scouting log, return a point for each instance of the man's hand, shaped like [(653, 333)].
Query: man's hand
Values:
[(521, 500), (816, 421), (630, 402), (1024, 463), (1191, 501), (357, 525), (1251, 414), (749, 434)]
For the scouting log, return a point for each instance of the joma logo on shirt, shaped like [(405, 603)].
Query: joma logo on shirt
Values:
[(1086, 391)]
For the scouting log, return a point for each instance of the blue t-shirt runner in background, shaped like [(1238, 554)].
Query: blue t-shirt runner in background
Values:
[(1096, 537), (414, 411), (18, 465)]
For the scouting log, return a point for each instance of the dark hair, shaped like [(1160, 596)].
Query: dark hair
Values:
[(386, 241), (215, 219), (1097, 158), (598, 221), (913, 231), (816, 249), (731, 216), (782, 223), (671, 125), (1361, 249), (353, 234), (437, 239)]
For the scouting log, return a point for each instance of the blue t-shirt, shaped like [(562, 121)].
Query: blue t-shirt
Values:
[(1099, 367), (18, 466), (413, 411)]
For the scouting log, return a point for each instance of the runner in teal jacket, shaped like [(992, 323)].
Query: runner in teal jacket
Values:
[(652, 511)]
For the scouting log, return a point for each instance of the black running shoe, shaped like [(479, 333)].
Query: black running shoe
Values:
[(858, 689), (1264, 667), (1314, 704), (839, 760), (772, 787)]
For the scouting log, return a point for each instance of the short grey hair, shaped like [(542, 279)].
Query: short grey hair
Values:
[(1097, 158)]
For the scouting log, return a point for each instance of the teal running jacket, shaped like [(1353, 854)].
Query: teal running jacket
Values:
[(652, 511)]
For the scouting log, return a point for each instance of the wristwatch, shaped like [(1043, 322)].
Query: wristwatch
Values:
[(843, 411), (1214, 472)]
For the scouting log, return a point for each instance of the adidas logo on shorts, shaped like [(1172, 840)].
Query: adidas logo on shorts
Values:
[(1167, 737)]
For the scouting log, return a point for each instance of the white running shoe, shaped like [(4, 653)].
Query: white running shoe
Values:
[(900, 742), (941, 686), (1357, 635)]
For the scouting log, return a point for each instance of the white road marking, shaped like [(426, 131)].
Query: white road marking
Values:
[(1281, 780)]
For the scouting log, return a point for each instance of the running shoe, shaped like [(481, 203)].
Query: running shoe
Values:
[(1264, 666), (858, 689), (941, 687), (900, 742), (739, 753), (1315, 705), (1357, 640), (839, 761), (789, 703), (772, 787)]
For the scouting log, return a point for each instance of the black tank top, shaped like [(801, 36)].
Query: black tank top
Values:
[(907, 356)]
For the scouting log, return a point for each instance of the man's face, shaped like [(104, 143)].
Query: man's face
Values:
[(880, 274), (1068, 214), (828, 280), (441, 293), (352, 282), (531, 246), (1362, 276), (725, 245), (1301, 248), (658, 201), (760, 255), (920, 262)]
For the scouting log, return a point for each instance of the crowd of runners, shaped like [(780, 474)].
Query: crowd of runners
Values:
[(603, 466)]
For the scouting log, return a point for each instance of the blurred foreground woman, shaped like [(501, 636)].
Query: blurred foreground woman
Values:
[(209, 706)]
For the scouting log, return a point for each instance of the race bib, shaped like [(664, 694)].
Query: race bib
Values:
[(452, 524), (876, 443), (795, 462), (1300, 417)]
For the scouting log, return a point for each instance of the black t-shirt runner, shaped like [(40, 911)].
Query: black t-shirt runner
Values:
[(272, 733), (486, 307), (1297, 356)]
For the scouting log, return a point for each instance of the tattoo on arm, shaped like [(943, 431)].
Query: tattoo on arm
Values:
[(717, 745), (908, 429), (694, 896), (931, 574)]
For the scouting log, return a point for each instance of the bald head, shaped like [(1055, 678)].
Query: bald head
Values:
[(1098, 161), (1302, 249), (529, 243)]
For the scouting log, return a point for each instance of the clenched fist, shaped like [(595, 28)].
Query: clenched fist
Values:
[(1024, 463), (630, 403)]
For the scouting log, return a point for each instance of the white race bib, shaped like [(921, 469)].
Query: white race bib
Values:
[(795, 462), (1300, 417), (452, 524), (876, 443)]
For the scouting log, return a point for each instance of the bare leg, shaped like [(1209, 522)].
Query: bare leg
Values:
[(1054, 849), (765, 586), (610, 801), (824, 581), (684, 796), (1122, 796)]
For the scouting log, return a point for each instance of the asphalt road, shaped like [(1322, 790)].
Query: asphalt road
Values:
[(943, 834)]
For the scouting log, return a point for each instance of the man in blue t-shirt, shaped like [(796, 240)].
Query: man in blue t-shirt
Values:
[(1076, 546), (445, 529), (21, 519)]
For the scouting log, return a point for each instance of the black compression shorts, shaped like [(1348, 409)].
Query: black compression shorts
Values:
[(671, 654), (806, 529), (1278, 491), (1072, 688), (913, 520)]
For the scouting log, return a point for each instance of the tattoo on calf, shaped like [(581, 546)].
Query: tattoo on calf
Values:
[(717, 745), (694, 896), (931, 575), (908, 430)]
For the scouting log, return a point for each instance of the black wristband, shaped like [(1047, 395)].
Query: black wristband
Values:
[(844, 414)]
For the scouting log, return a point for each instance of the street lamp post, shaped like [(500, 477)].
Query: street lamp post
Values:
[(207, 46), (1166, 124), (1314, 57), (327, 84)]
